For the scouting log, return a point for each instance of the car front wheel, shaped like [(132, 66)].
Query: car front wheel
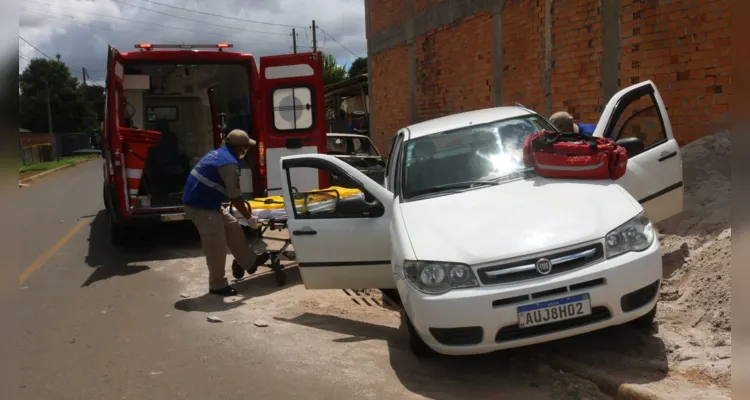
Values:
[(416, 344), (645, 323)]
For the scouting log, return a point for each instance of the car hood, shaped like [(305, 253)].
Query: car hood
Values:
[(514, 219)]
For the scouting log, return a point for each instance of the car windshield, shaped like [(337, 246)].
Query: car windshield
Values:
[(351, 146), (468, 157)]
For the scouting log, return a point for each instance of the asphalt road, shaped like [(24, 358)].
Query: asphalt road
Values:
[(74, 330), (84, 320)]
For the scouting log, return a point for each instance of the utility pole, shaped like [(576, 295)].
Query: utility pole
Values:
[(49, 117), (294, 41), (315, 40), (84, 76)]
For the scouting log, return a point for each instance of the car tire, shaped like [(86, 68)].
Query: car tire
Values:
[(645, 323), (416, 344)]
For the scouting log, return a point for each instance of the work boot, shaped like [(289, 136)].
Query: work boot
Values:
[(226, 291)]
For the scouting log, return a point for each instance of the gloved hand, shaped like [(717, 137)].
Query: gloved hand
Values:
[(252, 223)]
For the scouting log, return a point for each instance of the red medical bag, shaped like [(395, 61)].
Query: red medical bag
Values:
[(574, 156)]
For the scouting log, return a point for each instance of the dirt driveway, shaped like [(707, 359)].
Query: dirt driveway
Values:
[(354, 336)]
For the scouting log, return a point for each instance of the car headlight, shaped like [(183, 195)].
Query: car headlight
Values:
[(634, 235), (439, 277)]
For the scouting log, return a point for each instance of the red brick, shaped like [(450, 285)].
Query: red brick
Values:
[(385, 13)]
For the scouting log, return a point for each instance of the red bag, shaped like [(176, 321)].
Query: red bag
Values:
[(574, 156)]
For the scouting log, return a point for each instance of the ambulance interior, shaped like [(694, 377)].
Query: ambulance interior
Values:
[(176, 100)]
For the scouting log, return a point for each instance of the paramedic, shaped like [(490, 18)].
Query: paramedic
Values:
[(214, 179), (563, 121)]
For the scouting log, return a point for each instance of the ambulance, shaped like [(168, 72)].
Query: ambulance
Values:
[(168, 105)]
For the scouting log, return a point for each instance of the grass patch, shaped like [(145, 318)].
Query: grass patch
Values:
[(46, 166)]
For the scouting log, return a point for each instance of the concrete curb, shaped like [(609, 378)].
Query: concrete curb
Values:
[(51, 171), (607, 383)]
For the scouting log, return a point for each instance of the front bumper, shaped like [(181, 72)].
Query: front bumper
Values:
[(487, 316)]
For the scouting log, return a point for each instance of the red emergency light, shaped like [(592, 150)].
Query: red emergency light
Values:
[(149, 46)]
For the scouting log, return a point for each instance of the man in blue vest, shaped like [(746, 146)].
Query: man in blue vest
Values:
[(213, 181), (563, 121)]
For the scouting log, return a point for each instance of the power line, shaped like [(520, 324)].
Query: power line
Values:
[(198, 21), (326, 34), (56, 14), (132, 21), (34, 47), (223, 16)]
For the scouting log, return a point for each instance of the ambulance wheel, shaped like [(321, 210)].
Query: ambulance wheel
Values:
[(417, 346), (118, 233), (237, 271), (280, 276)]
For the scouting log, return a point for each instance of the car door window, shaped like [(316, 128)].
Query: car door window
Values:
[(345, 196), (640, 119)]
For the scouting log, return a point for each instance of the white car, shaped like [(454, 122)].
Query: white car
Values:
[(486, 255)]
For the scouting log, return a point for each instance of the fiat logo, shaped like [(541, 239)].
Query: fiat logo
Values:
[(544, 266)]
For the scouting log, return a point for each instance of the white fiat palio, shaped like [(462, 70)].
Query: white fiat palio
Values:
[(483, 254)]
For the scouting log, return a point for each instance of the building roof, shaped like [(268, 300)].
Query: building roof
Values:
[(461, 120)]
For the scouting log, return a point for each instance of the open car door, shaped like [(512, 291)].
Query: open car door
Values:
[(637, 119), (294, 114), (341, 236)]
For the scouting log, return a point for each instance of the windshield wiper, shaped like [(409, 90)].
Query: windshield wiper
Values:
[(454, 187)]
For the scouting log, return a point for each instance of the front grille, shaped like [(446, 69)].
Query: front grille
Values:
[(562, 261), (458, 336), (514, 332)]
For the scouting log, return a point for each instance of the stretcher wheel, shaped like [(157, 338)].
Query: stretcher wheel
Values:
[(278, 273), (237, 271)]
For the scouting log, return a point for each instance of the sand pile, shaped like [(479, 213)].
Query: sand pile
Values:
[(697, 243), (695, 311)]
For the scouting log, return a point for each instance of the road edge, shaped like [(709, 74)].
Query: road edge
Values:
[(607, 383), (51, 171)]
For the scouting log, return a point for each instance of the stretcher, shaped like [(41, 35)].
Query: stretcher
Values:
[(269, 214)]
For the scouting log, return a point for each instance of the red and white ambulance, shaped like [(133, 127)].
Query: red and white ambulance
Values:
[(167, 106)]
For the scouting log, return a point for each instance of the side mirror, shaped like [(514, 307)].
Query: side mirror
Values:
[(357, 205), (632, 145)]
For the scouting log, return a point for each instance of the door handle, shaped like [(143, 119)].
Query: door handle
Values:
[(305, 232), (666, 156)]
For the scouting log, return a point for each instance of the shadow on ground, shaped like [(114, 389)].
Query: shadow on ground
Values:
[(149, 243), (261, 284), (627, 355)]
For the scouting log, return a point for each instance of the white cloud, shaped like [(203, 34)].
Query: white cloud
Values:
[(80, 30)]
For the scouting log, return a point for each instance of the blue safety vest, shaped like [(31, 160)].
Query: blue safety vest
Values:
[(586, 129), (204, 187)]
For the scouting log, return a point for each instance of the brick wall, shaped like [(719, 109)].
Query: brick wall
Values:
[(451, 76), (523, 53), (390, 95), (576, 79), (682, 45)]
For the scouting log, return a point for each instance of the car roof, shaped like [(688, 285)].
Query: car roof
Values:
[(463, 119), (347, 135)]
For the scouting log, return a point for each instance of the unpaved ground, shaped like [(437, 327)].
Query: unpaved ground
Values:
[(695, 312)]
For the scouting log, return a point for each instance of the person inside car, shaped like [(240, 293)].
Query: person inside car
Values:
[(564, 122)]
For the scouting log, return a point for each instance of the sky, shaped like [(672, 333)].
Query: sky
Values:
[(80, 30)]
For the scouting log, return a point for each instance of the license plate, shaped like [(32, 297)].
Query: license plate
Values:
[(547, 312)]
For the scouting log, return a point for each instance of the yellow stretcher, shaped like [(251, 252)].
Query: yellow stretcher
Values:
[(313, 196)]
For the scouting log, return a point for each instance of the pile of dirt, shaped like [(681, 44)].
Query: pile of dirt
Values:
[(695, 311)]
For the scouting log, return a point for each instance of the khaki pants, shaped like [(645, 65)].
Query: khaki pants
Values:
[(218, 229)]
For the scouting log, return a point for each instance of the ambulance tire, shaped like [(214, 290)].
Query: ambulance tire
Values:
[(417, 346), (118, 233), (104, 197)]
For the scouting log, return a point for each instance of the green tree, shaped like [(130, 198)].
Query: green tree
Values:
[(358, 67), (332, 71), (71, 110), (95, 96)]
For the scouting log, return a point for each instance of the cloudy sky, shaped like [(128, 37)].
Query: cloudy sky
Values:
[(80, 30)]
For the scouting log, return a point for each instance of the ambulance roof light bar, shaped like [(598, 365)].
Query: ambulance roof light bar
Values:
[(149, 46)]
